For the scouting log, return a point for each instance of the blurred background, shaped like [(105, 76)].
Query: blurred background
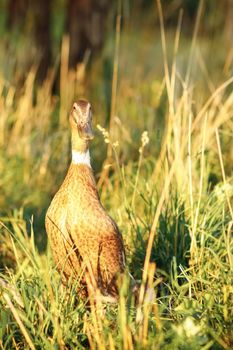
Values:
[(110, 52), (36, 29)]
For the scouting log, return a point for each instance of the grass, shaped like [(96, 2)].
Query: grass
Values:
[(170, 191)]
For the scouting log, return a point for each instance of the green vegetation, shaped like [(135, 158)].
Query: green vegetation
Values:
[(169, 190)]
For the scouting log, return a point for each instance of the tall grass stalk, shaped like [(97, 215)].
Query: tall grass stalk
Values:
[(173, 208), (106, 165)]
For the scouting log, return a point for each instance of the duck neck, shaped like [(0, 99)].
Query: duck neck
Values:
[(80, 150)]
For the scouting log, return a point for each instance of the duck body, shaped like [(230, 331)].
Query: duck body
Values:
[(84, 239)]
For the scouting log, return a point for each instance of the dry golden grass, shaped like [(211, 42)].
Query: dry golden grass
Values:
[(169, 190)]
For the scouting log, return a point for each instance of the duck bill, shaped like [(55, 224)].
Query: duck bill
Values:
[(86, 132)]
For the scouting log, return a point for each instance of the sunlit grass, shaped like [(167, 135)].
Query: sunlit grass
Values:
[(190, 306), (168, 186)]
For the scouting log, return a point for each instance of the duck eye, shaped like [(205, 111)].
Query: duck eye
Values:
[(75, 107)]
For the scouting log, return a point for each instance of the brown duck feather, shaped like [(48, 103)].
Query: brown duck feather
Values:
[(83, 237)]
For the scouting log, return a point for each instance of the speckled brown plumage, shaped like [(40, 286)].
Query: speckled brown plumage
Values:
[(83, 237)]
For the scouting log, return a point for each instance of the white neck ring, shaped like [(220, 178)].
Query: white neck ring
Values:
[(81, 157)]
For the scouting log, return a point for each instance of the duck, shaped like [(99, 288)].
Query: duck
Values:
[(85, 241)]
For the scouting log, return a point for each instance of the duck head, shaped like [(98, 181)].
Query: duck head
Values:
[(81, 118), (80, 122)]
